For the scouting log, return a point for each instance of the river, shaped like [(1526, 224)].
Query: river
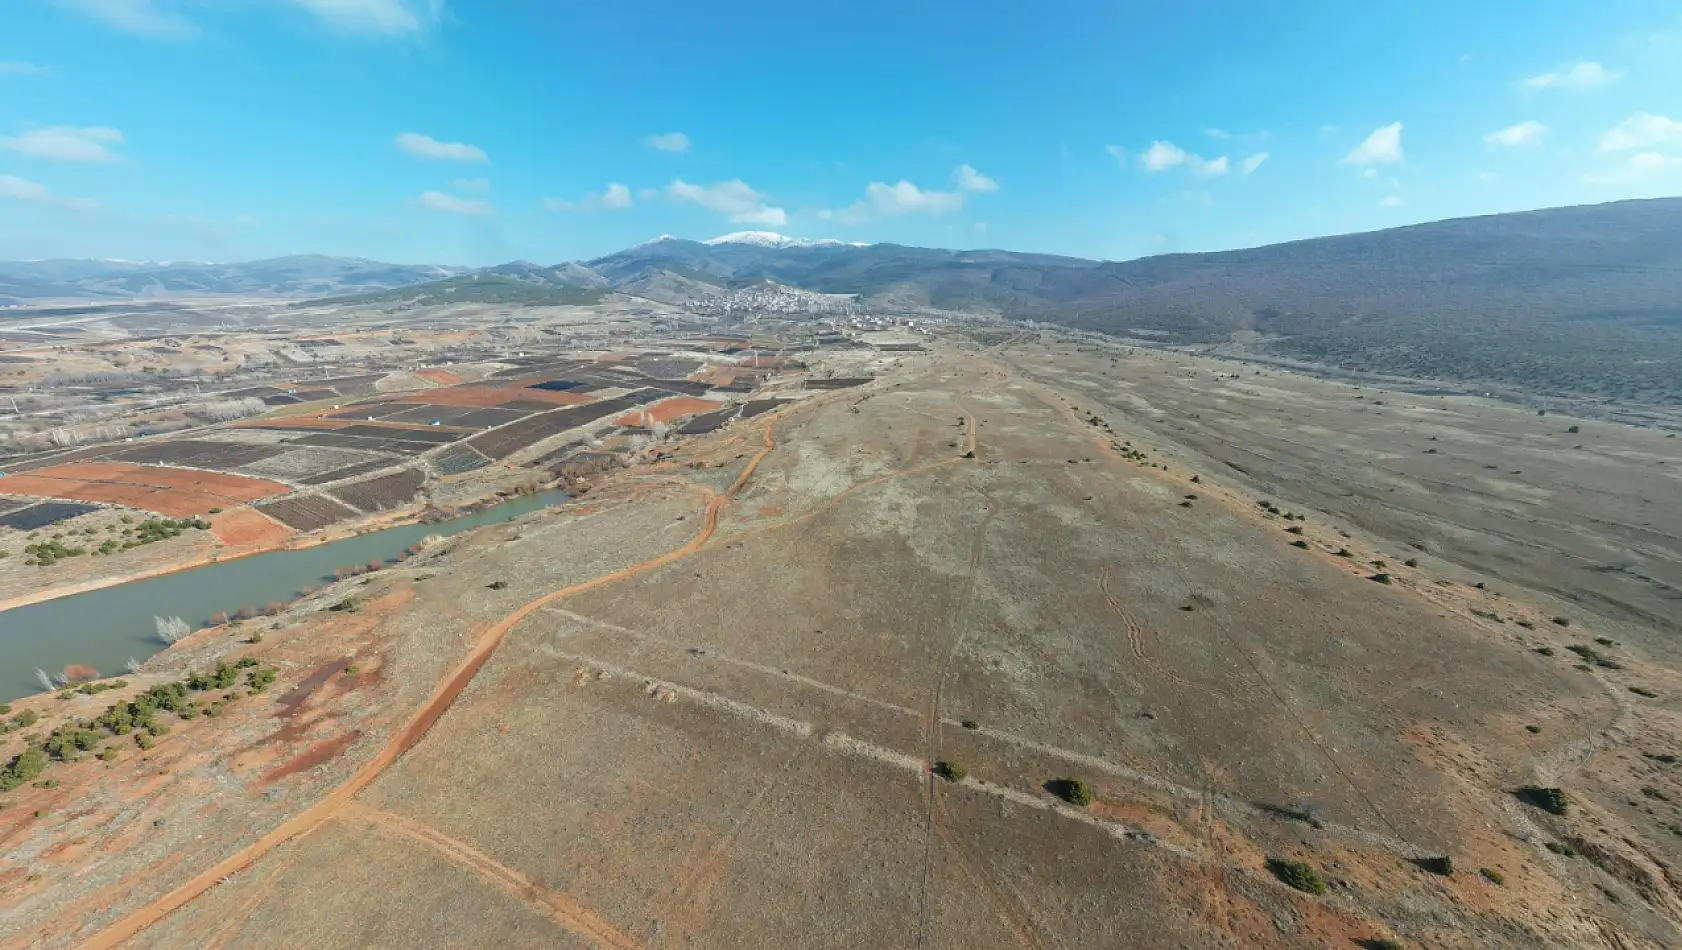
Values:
[(106, 628)]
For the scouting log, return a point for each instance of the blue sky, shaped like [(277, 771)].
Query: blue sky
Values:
[(479, 131)]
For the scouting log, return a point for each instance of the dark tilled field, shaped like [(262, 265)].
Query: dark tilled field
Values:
[(44, 515), (382, 493), (307, 512)]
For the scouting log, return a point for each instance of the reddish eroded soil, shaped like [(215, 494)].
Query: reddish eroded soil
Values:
[(704, 710), (246, 528), (170, 491), (668, 410)]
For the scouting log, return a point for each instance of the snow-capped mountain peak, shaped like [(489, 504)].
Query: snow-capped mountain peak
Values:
[(773, 239)]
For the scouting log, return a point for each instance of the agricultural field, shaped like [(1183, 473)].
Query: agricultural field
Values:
[(999, 649), (383, 492), (308, 512)]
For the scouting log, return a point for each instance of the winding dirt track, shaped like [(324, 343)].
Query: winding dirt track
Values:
[(423, 719)]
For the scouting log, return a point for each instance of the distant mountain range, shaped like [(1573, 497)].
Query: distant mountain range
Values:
[(306, 275), (1571, 300)]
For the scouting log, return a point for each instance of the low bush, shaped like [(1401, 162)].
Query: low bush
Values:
[(1550, 800), (951, 771), (1072, 790), (1297, 874), (1382, 578), (1561, 848), (971, 724), (1563, 621), (1493, 876), (1300, 543), (1545, 651), (497, 585), (23, 769), (1643, 691), (1442, 866)]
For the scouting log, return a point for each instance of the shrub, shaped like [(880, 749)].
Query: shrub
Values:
[(497, 585), (1533, 729), (1574, 430), (1382, 578), (1643, 691), (1493, 876), (348, 605), (1561, 848), (1072, 790), (1654, 793), (1545, 651), (951, 771), (1294, 529), (1297, 874), (1411, 562), (1595, 656), (1563, 621), (1384, 943), (1443, 866), (23, 768), (1550, 800), (1300, 543), (971, 724)]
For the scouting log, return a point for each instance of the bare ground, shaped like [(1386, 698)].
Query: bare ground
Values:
[(712, 696)]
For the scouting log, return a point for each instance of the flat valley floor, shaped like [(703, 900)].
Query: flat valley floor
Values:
[(823, 679)]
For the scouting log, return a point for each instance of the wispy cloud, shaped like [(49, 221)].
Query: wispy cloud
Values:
[(734, 199), (968, 179), (1640, 168), (375, 17), (161, 19), (669, 142), (1391, 201), (1382, 147), (19, 189), (882, 200), (1162, 156), (1118, 153), (1513, 136), (1582, 74), (18, 68), (66, 143), (1642, 130), (139, 17), (1249, 165), (1221, 134), (471, 184), (450, 204), (615, 197), (425, 146)]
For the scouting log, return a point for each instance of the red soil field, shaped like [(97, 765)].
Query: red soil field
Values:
[(667, 411), (442, 377), (244, 527), (168, 491)]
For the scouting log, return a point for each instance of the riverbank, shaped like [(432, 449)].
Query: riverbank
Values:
[(413, 515)]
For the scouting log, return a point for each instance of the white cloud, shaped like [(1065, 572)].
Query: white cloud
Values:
[(378, 17), (733, 198), (1118, 153), (1221, 134), (1582, 74), (1369, 173), (906, 198), (140, 17), (18, 68), (1162, 156), (425, 146), (471, 184), (450, 204), (1636, 169), (66, 143), (615, 197), (669, 142), (1391, 201), (1254, 162), (968, 179), (18, 189), (885, 200), (1641, 130), (648, 194), (1382, 147), (1524, 133)]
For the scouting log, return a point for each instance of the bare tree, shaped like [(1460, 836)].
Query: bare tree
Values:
[(171, 629)]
